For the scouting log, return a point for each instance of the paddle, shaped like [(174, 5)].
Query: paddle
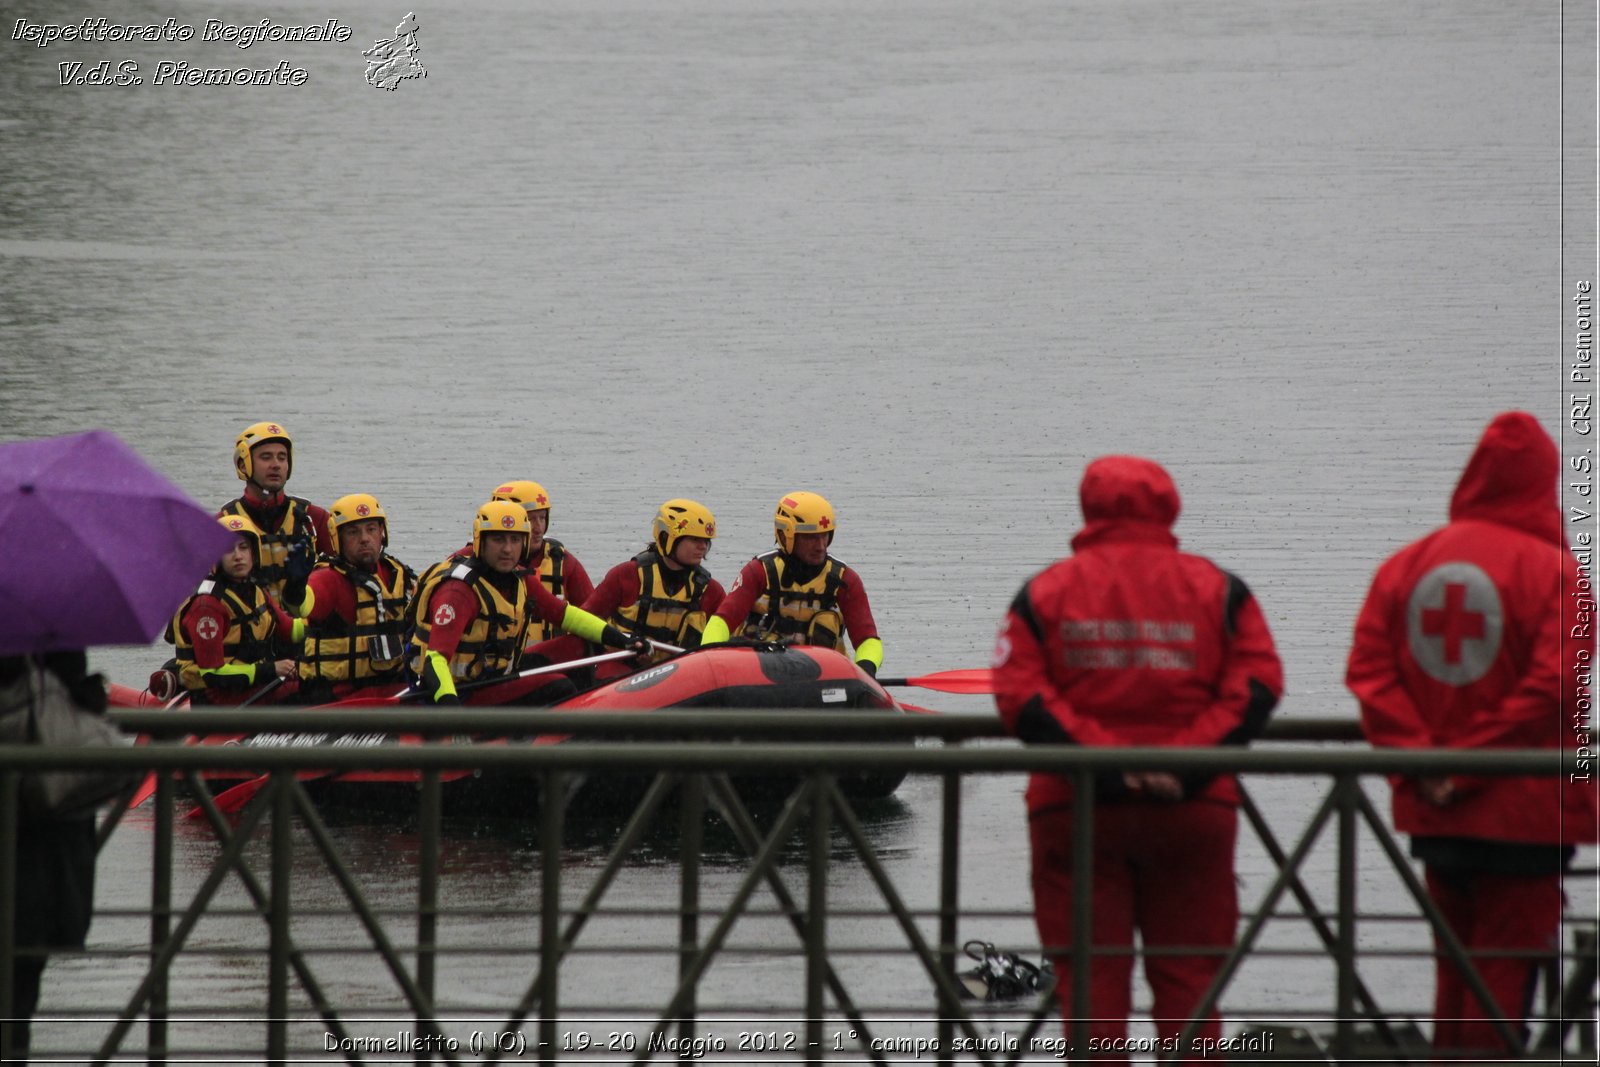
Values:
[(148, 787), (234, 798), (966, 680), (263, 691), (484, 683)]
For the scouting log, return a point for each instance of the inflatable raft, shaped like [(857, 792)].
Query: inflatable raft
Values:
[(725, 676)]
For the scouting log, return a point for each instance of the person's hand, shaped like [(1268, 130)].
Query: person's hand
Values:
[(611, 637), (285, 668), (1437, 790), (867, 665), (1162, 785), (300, 561)]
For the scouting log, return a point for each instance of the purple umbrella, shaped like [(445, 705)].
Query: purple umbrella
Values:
[(96, 548)]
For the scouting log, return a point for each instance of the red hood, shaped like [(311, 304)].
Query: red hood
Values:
[(1130, 497), (1511, 479)]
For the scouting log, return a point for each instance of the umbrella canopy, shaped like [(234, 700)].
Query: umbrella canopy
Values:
[(96, 548)]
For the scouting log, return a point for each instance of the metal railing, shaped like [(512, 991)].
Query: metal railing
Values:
[(678, 754)]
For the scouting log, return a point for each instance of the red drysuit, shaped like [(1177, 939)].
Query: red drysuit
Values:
[(1131, 642), (1462, 644)]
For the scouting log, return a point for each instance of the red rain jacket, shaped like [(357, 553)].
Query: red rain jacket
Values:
[(1130, 642), (1461, 645)]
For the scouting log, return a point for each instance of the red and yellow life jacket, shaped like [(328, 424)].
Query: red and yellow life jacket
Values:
[(552, 575), (296, 525), (370, 650), (249, 635), (807, 613), (676, 618), (491, 644)]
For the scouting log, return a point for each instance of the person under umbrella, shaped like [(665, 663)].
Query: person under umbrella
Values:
[(84, 521)]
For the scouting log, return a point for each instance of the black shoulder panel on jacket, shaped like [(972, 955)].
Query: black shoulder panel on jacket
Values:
[(1238, 593), (1035, 725), (1256, 713), (1022, 607)]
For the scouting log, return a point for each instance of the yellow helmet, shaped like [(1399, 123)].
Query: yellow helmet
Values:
[(802, 513), (241, 526), (357, 507), (681, 518), (501, 516), (530, 495), (258, 434)]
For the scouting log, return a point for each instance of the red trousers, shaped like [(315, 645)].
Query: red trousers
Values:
[(1491, 912), (1163, 869)]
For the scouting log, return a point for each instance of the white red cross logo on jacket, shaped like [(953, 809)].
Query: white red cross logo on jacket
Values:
[(1454, 623)]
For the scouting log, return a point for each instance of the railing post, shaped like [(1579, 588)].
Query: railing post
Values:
[(949, 902), (278, 922), (1082, 909), (10, 782), (429, 815), (817, 910), (1345, 951), (692, 801), (160, 913), (552, 812)]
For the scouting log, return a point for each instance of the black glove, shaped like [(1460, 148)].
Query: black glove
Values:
[(297, 566), (449, 700), (611, 637), (867, 665), (300, 561)]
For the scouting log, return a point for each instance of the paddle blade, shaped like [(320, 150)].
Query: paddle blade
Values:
[(967, 680), (232, 800), (144, 792)]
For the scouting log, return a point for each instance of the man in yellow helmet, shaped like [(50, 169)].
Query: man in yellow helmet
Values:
[(471, 616), (557, 568), (355, 607), (263, 457), (225, 632), (665, 592), (799, 593)]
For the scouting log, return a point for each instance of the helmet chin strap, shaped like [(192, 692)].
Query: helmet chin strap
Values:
[(267, 496)]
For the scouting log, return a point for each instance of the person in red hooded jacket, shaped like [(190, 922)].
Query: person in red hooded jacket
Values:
[(1460, 645), (1129, 641)]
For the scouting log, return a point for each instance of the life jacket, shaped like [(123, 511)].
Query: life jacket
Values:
[(371, 649), (552, 574), (806, 614), (675, 618), (250, 628), (491, 645), (296, 525)]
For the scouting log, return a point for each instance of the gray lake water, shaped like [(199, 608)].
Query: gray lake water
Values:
[(927, 258)]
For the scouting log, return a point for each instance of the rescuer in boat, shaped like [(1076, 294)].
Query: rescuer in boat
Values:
[(226, 632), (665, 592), (471, 616), (557, 568), (798, 593), (263, 457), (355, 607), (1129, 641), (1461, 644)]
